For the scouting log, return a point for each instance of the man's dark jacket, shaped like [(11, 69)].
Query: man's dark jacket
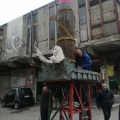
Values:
[(84, 61), (44, 100), (104, 99)]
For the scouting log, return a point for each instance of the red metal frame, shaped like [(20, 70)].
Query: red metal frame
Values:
[(70, 94)]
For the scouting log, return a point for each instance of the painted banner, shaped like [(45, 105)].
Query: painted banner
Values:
[(21, 81), (110, 70)]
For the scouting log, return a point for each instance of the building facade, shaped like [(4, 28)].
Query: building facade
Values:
[(97, 32)]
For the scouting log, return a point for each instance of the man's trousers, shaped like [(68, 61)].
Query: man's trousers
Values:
[(107, 113), (44, 114)]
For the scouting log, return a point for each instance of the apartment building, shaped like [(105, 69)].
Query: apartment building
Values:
[(97, 32)]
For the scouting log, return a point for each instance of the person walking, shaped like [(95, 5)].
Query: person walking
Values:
[(44, 103), (105, 100)]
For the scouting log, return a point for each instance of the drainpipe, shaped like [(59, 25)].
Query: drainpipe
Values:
[(31, 35)]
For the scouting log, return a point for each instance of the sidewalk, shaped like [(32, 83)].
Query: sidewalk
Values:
[(116, 103)]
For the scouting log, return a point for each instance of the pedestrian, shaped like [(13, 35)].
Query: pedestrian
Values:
[(119, 113), (83, 60), (105, 100), (84, 97), (44, 105)]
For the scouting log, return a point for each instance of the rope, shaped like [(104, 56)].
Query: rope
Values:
[(66, 8), (71, 60), (64, 38)]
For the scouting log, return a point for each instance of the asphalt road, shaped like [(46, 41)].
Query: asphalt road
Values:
[(33, 113)]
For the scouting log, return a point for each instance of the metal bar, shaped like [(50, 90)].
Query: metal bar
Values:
[(23, 42), (89, 102), (78, 96), (117, 17), (55, 114), (55, 22), (79, 21), (119, 113), (31, 35), (88, 19), (61, 115), (41, 40), (64, 99), (49, 106), (81, 98), (59, 109), (102, 17), (99, 24), (65, 115), (71, 100)]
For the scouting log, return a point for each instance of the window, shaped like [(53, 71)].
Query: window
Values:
[(82, 15), (35, 18), (26, 92), (28, 38), (81, 2), (35, 32), (92, 2), (57, 6), (52, 11), (52, 27), (83, 24), (52, 34), (32, 30), (12, 92), (29, 21)]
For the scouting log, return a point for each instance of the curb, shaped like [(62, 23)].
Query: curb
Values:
[(114, 105)]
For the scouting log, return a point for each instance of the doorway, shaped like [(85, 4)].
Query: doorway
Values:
[(39, 86)]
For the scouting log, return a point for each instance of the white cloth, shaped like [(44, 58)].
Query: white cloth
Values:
[(57, 57)]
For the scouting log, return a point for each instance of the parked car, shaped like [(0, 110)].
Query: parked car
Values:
[(18, 97)]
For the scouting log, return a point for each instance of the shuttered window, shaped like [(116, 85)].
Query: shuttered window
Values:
[(52, 27)]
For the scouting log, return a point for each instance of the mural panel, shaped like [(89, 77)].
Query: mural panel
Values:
[(21, 81), (14, 27)]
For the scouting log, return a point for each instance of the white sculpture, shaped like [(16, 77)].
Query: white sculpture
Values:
[(57, 57)]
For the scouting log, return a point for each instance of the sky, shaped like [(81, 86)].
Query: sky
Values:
[(11, 9)]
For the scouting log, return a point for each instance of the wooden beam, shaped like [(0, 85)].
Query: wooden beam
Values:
[(13, 64), (91, 51), (17, 64), (34, 61)]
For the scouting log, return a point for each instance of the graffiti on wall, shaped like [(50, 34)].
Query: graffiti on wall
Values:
[(4, 85), (17, 43), (14, 28), (21, 81)]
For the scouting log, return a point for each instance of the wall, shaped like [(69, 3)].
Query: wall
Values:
[(118, 8), (14, 27), (19, 26), (3, 43), (24, 31), (108, 19), (23, 78), (43, 28), (4, 85)]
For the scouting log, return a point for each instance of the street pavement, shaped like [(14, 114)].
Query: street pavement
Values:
[(33, 112)]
